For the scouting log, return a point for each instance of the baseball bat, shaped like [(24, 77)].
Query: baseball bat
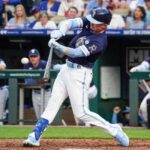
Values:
[(46, 75)]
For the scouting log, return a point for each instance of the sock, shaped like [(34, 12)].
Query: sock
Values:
[(40, 126)]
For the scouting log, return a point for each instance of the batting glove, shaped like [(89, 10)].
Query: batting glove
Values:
[(56, 34), (52, 43), (56, 46)]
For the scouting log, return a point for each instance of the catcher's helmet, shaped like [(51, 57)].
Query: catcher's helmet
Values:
[(100, 16)]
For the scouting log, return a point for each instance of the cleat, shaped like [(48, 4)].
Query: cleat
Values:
[(121, 136), (31, 141)]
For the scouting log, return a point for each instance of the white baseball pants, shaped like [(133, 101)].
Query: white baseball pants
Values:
[(75, 83)]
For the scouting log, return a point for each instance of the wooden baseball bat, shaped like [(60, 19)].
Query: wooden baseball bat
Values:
[(46, 75)]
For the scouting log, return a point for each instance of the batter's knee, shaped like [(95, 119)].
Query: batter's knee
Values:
[(82, 117)]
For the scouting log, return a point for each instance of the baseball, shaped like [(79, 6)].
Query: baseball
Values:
[(24, 60)]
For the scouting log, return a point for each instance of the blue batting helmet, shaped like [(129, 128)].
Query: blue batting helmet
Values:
[(100, 16)]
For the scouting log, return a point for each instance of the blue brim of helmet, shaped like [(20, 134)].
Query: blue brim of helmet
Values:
[(92, 20)]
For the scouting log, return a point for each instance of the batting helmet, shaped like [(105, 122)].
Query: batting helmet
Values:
[(100, 16)]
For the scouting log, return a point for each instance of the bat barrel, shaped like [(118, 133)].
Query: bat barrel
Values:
[(48, 66)]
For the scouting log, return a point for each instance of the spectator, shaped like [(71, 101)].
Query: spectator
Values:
[(147, 19), (51, 6), (121, 7), (121, 117), (65, 4), (35, 12), (3, 92), (133, 4), (126, 115), (20, 21), (28, 4), (7, 8), (123, 4), (137, 20), (117, 21), (44, 22), (117, 115), (70, 14), (94, 4), (35, 62)]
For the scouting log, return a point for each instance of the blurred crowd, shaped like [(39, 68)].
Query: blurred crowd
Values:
[(47, 14)]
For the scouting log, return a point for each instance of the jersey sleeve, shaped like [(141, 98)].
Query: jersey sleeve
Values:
[(92, 47)]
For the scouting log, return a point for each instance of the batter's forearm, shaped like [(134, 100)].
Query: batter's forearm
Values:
[(71, 52), (70, 24)]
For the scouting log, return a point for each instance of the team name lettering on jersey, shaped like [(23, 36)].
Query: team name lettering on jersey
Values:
[(82, 41)]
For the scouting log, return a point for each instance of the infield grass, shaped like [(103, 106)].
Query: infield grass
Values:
[(20, 132)]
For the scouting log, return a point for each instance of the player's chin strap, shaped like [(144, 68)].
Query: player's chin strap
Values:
[(40, 126)]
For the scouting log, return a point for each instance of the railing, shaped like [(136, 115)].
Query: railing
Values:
[(13, 75), (45, 32)]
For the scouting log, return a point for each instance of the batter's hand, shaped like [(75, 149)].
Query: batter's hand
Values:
[(53, 43), (56, 34)]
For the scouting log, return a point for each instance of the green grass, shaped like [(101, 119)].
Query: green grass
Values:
[(21, 132)]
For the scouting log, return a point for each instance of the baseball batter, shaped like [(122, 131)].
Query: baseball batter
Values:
[(36, 63), (144, 66), (75, 77)]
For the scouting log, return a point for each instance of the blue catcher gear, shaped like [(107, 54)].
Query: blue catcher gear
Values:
[(100, 16)]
